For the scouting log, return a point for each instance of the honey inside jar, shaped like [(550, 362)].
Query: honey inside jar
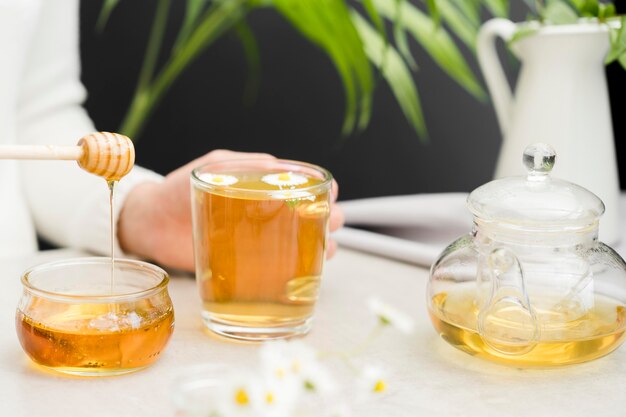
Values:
[(89, 339), (68, 319)]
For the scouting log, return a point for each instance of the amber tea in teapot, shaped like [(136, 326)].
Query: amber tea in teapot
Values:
[(531, 285)]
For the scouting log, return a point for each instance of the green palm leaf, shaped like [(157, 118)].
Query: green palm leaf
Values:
[(192, 15), (498, 8), (559, 13), (395, 71), (378, 22), (437, 42), (433, 10), (105, 13), (219, 18), (327, 24), (470, 9), (464, 28), (253, 60), (399, 34), (618, 44)]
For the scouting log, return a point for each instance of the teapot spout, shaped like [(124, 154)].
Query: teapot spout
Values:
[(506, 322)]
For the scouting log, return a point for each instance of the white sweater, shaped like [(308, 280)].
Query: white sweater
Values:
[(40, 103)]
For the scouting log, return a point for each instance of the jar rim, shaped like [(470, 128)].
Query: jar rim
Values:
[(95, 298)]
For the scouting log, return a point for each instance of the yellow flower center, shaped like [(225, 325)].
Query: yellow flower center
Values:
[(241, 397), (285, 176), (269, 398), (280, 373), (380, 386)]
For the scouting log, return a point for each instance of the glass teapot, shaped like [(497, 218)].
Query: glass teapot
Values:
[(531, 285)]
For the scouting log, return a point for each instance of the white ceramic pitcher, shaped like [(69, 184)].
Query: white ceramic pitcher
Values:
[(561, 98)]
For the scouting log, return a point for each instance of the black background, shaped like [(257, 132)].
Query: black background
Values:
[(300, 107)]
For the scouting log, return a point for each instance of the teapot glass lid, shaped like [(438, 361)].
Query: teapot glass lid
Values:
[(537, 199)]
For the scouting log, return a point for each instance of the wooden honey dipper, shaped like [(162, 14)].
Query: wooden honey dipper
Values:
[(109, 155)]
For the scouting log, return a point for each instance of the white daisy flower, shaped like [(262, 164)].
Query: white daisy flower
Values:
[(390, 316), (317, 379), (237, 396), (292, 195), (372, 381), (218, 179), (272, 398), (280, 359), (249, 394), (296, 363), (284, 179)]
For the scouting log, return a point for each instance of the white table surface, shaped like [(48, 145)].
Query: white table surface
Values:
[(427, 376)]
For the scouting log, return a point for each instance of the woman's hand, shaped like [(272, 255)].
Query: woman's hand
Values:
[(155, 221)]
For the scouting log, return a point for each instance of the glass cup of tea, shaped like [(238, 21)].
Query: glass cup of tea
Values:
[(95, 317), (260, 230)]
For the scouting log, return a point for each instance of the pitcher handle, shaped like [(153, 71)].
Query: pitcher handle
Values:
[(492, 69)]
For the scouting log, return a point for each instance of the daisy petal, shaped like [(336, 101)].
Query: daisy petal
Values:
[(284, 179), (218, 179), (389, 315)]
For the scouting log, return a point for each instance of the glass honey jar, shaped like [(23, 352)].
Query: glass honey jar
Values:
[(93, 317)]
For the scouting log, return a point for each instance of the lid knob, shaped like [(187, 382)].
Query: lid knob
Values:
[(535, 201), (539, 159)]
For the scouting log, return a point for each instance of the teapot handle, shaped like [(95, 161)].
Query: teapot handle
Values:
[(507, 323), (497, 83)]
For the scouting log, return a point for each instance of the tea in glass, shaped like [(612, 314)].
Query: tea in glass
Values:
[(71, 319), (260, 230)]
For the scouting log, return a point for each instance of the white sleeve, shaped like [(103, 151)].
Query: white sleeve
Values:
[(69, 206)]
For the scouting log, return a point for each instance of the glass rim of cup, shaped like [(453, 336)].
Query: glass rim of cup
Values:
[(95, 298), (325, 185)]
